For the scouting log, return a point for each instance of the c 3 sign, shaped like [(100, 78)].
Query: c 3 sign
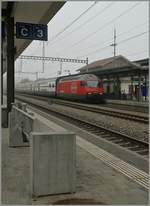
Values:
[(31, 31)]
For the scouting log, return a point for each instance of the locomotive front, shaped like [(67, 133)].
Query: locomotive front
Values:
[(94, 88)]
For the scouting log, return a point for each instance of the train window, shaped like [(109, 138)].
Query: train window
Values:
[(92, 83), (53, 85), (49, 85), (82, 84)]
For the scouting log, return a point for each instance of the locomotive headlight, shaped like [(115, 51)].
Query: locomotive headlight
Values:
[(89, 93)]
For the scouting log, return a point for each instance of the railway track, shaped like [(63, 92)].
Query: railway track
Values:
[(106, 111), (127, 107), (124, 115), (138, 146)]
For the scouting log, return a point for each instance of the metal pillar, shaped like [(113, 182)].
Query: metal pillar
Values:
[(10, 62), (114, 88), (131, 88), (108, 85), (146, 88), (139, 92), (2, 72), (43, 54), (118, 87)]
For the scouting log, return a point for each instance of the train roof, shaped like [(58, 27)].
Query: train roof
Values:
[(83, 77), (45, 80), (80, 77)]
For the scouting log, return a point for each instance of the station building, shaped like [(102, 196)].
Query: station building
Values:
[(121, 77)]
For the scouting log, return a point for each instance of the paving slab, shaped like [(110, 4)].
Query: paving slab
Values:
[(95, 180)]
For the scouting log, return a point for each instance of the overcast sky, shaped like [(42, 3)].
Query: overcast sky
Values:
[(90, 35)]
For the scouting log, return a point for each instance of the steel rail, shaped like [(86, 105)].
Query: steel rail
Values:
[(105, 111), (123, 140)]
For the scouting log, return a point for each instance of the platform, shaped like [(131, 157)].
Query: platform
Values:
[(96, 180), (129, 102)]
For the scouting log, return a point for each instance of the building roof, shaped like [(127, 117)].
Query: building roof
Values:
[(142, 62), (109, 63)]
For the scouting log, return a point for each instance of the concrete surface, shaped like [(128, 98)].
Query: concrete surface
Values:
[(118, 151), (52, 154), (52, 163), (20, 126), (15, 173), (94, 179)]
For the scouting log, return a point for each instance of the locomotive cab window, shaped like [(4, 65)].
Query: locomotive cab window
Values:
[(92, 83)]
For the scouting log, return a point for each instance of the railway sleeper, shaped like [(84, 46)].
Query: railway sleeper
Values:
[(98, 131), (107, 136), (118, 141), (89, 128), (134, 147), (125, 144), (84, 124), (95, 132), (111, 138), (143, 152)]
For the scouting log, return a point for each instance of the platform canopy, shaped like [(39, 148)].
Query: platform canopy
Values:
[(29, 12), (114, 65)]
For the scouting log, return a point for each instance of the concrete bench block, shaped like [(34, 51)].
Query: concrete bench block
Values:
[(39, 126), (52, 163), (20, 126)]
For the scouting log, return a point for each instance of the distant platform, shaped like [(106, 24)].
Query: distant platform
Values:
[(129, 102)]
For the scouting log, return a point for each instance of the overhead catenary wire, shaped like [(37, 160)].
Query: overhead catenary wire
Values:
[(121, 34), (140, 52), (70, 24), (133, 28), (102, 27), (132, 37), (84, 23), (127, 39)]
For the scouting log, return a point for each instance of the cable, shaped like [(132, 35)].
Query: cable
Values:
[(102, 27), (141, 52), (70, 24), (133, 28), (84, 23), (97, 51), (132, 37)]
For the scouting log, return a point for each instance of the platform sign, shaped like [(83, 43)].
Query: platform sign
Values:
[(31, 31)]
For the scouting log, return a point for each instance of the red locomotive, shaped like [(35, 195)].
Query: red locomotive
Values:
[(85, 87), (82, 87)]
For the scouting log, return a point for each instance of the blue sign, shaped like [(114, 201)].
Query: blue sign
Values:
[(31, 31)]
